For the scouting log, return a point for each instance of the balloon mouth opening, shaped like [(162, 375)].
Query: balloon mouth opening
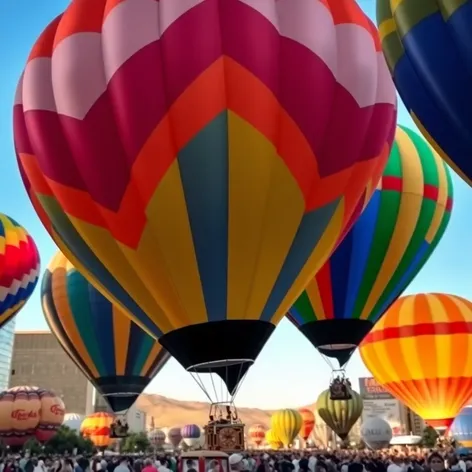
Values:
[(208, 366), (336, 347), (441, 426)]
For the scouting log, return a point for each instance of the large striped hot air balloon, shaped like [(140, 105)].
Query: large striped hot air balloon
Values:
[(191, 434), (418, 352), (308, 423), (286, 425), (181, 125), (19, 267), (427, 47), (461, 429), (97, 428), (382, 253), (115, 354), (339, 415)]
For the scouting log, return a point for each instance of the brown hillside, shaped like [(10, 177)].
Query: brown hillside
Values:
[(168, 412)]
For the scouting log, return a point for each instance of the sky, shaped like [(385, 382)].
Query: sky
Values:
[(289, 372)]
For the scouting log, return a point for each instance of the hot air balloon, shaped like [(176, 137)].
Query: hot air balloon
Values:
[(435, 384), (19, 267), (191, 434), (148, 173), (157, 438), (461, 429), (376, 433), (73, 421), (339, 415), (256, 434), (97, 428), (426, 44), (286, 425), (382, 253), (308, 423), (175, 436), (117, 356), (272, 440), (29, 412)]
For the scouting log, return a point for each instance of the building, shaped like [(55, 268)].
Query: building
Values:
[(6, 352), (38, 359), (378, 402)]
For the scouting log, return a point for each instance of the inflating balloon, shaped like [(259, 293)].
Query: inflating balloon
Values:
[(197, 174), (376, 433), (115, 354), (435, 383), (272, 440), (97, 428), (427, 47), (256, 434), (461, 429), (339, 415), (382, 253), (175, 436), (286, 425), (308, 423), (19, 268)]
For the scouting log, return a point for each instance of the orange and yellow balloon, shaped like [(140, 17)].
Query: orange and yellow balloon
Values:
[(96, 427), (420, 352), (286, 425), (308, 423)]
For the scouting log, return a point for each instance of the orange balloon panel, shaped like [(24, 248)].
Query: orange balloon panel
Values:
[(257, 433), (27, 412), (420, 351), (96, 427), (308, 422)]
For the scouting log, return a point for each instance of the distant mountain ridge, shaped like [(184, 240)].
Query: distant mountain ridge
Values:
[(168, 412)]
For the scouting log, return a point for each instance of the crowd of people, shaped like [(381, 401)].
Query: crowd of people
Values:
[(416, 460)]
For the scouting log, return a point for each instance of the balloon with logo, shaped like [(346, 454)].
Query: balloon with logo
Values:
[(97, 428), (191, 434), (256, 434), (175, 436), (29, 412), (461, 429), (148, 161), (157, 438), (398, 354), (73, 421), (339, 415), (286, 424), (115, 354), (427, 47), (272, 440), (19, 267), (376, 433), (308, 423)]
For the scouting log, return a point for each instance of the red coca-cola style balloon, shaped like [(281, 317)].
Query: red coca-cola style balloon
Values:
[(29, 412)]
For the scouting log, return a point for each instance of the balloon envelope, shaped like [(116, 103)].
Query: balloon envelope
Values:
[(175, 436), (256, 434), (286, 425), (19, 267), (29, 412), (426, 44), (382, 253), (97, 428), (461, 429), (200, 175), (73, 421), (376, 433), (435, 384), (308, 422), (191, 434), (115, 354), (272, 440), (339, 415), (157, 437)]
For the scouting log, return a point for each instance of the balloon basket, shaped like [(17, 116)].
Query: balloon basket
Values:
[(224, 437), (340, 386)]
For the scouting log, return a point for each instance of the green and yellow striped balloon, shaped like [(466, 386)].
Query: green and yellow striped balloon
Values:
[(286, 425), (339, 415)]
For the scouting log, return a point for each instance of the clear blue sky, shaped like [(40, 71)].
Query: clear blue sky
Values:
[(289, 372)]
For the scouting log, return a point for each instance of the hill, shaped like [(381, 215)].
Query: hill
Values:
[(168, 412)]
